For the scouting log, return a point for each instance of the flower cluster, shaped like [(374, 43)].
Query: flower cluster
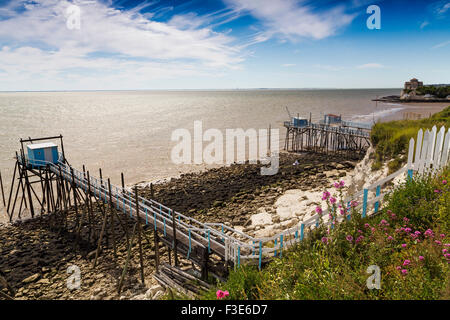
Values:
[(222, 294)]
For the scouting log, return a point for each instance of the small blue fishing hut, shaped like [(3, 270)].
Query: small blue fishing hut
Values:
[(41, 153)]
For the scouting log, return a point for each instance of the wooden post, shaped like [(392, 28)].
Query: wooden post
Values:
[(174, 229), (377, 204), (152, 194), (100, 238), (89, 203), (365, 194), (12, 187), (3, 193), (205, 265), (27, 182), (111, 208), (62, 148), (125, 268), (139, 234), (75, 203), (155, 232)]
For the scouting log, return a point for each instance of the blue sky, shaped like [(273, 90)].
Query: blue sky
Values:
[(220, 44)]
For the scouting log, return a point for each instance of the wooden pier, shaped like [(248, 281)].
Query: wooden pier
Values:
[(57, 187), (344, 139)]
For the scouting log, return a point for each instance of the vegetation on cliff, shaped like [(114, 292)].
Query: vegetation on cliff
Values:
[(409, 241), (391, 139)]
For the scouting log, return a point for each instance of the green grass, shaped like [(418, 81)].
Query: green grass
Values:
[(391, 139), (338, 269)]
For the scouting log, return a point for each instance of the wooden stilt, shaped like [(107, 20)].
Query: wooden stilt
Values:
[(125, 268), (174, 226), (155, 232), (113, 227), (138, 221), (1, 186), (100, 239)]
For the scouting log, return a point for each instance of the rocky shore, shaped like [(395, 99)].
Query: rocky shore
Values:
[(421, 99), (35, 255)]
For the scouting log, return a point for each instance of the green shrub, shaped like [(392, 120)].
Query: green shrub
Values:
[(377, 165)]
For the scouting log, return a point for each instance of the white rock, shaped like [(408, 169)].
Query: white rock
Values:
[(158, 295), (153, 291), (262, 218)]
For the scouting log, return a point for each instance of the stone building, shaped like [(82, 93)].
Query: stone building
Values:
[(413, 84)]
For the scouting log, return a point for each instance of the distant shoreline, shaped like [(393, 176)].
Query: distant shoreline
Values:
[(397, 99)]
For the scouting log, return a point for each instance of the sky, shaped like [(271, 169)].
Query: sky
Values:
[(221, 44)]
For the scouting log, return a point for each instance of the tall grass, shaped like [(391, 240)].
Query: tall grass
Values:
[(391, 139)]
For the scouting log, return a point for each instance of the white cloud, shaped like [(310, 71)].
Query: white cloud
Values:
[(424, 24), (328, 67), (370, 66), (444, 8), (111, 42), (287, 65), (292, 19), (440, 45)]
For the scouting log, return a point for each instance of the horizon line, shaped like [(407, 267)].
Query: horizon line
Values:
[(203, 89)]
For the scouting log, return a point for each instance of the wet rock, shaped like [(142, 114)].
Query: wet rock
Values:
[(32, 278)]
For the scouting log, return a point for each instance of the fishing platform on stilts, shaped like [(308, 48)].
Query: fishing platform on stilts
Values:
[(332, 135)]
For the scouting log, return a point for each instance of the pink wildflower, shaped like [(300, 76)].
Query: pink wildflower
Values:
[(403, 245), (319, 210), (429, 233), (406, 262), (421, 258), (444, 181), (404, 271), (333, 200), (349, 238)]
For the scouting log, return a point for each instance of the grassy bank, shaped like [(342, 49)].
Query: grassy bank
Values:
[(391, 139), (408, 241)]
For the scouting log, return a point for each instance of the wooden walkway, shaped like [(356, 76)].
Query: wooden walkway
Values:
[(187, 237)]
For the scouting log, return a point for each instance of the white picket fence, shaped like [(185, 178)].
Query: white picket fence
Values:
[(431, 151), (427, 156)]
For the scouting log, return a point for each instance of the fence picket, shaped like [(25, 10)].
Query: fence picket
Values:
[(410, 153), (438, 150), (418, 149), (445, 150), (430, 151)]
